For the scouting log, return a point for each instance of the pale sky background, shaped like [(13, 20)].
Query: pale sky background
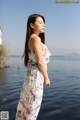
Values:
[(62, 24)]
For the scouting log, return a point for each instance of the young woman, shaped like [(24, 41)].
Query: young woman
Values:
[(36, 57)]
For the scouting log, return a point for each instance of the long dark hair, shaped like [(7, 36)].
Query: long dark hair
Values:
[(31, 19)]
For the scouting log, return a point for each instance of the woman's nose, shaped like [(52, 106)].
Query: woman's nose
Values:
[(43, 25)]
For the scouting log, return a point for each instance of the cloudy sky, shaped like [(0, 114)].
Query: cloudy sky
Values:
[(62, 24)]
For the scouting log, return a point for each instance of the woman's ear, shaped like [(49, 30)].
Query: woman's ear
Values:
[(32, 25)]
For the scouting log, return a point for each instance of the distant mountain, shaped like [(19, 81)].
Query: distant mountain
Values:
[(14, 56), (68, 55), (72, 55)]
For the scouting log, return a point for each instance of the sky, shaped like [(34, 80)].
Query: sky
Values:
[(62, 26)]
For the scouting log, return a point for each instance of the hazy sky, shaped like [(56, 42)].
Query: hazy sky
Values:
[(62, 24)]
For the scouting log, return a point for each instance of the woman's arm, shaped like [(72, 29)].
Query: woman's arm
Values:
[(36, 46)]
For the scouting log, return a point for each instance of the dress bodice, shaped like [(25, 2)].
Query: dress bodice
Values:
[(46, 54)]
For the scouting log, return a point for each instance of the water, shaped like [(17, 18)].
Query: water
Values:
[(61, 101)]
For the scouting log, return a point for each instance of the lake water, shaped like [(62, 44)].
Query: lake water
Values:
[(61, 101)]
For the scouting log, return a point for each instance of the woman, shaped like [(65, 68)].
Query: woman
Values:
[(36, 56)]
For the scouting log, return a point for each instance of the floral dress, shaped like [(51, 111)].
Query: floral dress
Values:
[(32, 90)]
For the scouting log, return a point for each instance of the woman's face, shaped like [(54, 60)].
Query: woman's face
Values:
[(39, 25)]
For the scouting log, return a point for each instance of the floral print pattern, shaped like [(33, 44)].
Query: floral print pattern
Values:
[(32, 90)]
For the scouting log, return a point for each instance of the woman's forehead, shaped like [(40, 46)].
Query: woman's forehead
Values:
[(39, 19)]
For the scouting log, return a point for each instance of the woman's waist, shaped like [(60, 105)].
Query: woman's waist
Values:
[(32, 66)]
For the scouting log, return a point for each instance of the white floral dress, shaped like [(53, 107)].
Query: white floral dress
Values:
[(32, 90)]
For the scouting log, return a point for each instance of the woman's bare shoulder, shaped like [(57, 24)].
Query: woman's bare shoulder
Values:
[(35, 38)]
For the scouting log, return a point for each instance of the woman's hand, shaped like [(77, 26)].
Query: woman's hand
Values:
[(47, 81)]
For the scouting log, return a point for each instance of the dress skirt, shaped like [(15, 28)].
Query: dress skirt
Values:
[(31, 95)]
